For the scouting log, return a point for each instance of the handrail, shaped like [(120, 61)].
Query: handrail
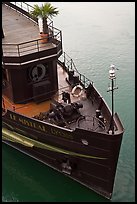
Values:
[(10, 104), (70, 66), (16, 48), (35, 45), (20, 49), (22, 8)]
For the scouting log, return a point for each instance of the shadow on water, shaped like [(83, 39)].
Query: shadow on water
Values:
[(25, 179)]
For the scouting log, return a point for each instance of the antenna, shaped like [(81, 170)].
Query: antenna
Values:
[(111, 88)]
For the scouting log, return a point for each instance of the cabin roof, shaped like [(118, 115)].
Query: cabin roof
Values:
[(21, 34), (17, 28)]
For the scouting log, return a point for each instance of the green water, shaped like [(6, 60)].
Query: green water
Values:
[(95, 35)]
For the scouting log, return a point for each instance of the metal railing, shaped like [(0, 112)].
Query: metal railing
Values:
[(69, 65), (24, 9), (19, 6), (37, 45), (10, 49)]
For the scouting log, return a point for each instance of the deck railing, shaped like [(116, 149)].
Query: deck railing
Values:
[(10, 49), (69, 65), (55, 35), (24, 9)]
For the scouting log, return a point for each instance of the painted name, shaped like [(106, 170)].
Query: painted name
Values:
[(41, 127)]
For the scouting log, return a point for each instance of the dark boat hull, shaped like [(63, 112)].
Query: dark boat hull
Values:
[(93, 165)]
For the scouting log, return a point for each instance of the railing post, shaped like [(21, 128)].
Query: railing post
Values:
[(64, 59), (18, 50), (71, 64), (28, 8), (38, 45)]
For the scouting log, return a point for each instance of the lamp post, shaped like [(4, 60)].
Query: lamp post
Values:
[(112, 77)]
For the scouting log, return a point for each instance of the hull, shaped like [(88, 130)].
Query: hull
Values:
[(87, 157)]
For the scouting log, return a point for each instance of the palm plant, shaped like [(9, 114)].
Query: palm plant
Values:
[(43, 12)]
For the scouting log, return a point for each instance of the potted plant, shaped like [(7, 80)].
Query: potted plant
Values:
[(42, 13)]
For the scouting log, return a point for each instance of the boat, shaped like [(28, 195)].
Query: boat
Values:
[(50, 111)]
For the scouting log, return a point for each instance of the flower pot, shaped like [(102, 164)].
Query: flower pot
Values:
[(44, 38)]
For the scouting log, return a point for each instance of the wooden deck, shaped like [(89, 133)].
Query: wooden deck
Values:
[(20, 30), (14, 32)]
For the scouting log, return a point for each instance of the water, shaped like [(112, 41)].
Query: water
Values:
[(95, 35)]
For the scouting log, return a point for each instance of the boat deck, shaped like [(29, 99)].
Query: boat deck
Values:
[(32, 109), (28, 40), (13, 24)]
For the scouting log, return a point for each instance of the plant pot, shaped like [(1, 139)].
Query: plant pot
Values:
[(44, 38)]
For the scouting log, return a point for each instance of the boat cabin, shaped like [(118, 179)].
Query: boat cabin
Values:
[(29, 67), (36, 82)]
